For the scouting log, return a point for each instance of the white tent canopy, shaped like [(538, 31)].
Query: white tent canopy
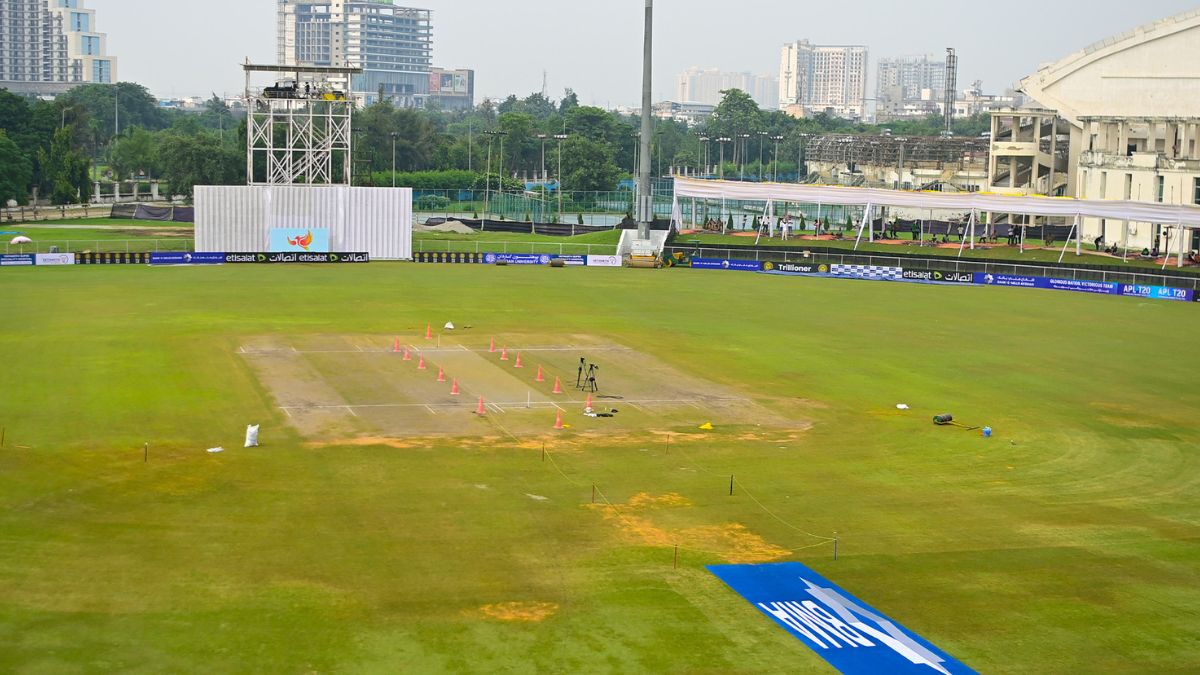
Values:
[(1186, 216)]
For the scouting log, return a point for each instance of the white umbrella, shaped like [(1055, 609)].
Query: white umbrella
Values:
[(21, 240)]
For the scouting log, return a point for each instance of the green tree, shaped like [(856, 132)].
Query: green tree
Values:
[(106, 104), (588, 166), (16, 172), (217, 115), (521, 148), (64, 170), (737, 113), (202, 159), (135, 154), (570, 101)]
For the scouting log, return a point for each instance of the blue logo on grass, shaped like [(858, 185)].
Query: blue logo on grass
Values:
[(846, 632)]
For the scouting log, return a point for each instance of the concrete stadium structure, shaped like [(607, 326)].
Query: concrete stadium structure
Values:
[(1126, 110)]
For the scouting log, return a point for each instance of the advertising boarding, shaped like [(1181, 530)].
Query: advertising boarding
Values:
[(54, 259), (604, 261), (187, 258), (17, 259), (726, 264), (516, 258), (1158, 292), (1075, 285), (299, 240)]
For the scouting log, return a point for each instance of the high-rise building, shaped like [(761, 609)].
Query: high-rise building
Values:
[(49, 46), (392, 45), (911, 78), (704, 85), (823, 78)]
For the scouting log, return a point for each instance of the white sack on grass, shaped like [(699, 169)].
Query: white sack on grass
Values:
[(213, 451), (252, 436)]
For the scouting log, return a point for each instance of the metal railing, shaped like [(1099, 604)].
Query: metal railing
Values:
[(943, 265), (179, 245), (548, 248)]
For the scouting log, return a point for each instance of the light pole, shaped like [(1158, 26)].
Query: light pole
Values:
[(775, 158), (394, 135), (637, 147), (743, 143), (645, 211), (721, 167), (500, 183), (487, 189), (701, 154), (762, 136), (542, 138), (560, 138)]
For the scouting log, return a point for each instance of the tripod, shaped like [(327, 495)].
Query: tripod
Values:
[(589, 384), (579, 374)]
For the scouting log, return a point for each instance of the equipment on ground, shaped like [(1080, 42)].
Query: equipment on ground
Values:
[(947, 420)]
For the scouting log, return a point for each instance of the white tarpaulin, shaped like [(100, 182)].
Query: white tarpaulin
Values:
[(239, 219), (1187, 216)]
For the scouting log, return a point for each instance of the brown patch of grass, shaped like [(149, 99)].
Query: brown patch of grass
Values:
[(530, 612), (731, 541), (368, 441), (646, 500), (554, 443)]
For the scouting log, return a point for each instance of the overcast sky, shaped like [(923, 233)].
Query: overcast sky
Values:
[(193, 48)]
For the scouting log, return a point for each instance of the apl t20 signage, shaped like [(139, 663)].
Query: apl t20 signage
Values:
[(845, 631)]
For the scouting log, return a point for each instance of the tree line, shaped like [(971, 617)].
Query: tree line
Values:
[(98, 132)]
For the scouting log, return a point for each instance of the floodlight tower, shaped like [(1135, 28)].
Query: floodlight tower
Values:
[(645, 205), (951, 87), (298, 132)]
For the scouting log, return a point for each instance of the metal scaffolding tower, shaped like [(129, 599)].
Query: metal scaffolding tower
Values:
[(951, 87), (298, 132)]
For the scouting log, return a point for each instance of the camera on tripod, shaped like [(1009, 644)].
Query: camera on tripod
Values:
[(586, 377)]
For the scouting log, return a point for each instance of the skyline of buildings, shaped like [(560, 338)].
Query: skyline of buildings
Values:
[(49, 46), (393, 45), (908, 86), (823, 78), (704, 86)]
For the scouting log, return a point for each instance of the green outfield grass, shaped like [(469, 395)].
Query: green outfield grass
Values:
[(1065, 544)]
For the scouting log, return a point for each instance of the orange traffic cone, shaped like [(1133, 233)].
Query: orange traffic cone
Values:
[(504, 354), (481, 410), (558, 423), (407, 356), (540, 377), (454, 388), (442, 375), (396, 346), (428, 332), (492, 349), (557, 386), (588, 405), (518, 364), (421, 363)]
